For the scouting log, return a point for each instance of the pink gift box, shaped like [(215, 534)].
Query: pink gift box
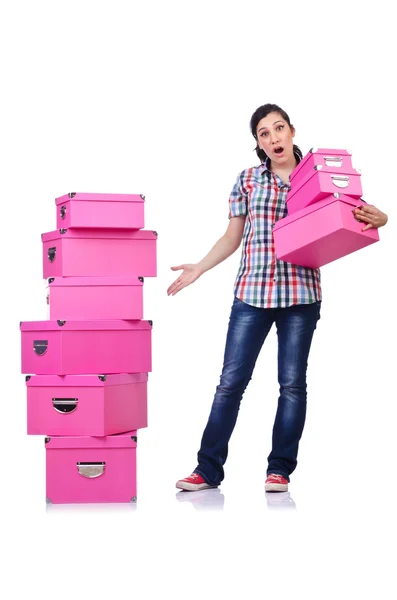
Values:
[(319, 185), (327, 160), (86, 347), (89, 298), (83, 469), (93, 405), (99, 253), (123, 211), (321, 233)]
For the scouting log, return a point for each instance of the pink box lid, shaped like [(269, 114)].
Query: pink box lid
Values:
[(316, 206), (87, 281), (108, 325), (100, 197), (85, 380), (322, 151), (120, 440), (124, 234)]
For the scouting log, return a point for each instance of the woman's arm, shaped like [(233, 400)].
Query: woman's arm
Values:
[(223, 248)]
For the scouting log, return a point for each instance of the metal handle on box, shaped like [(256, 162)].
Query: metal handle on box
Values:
[(340, 181), (64, 405), (333, 161), (91, 469), (40, 346), (62, 212), (52, 253)]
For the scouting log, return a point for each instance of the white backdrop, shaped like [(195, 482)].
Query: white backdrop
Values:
[(156, 98)]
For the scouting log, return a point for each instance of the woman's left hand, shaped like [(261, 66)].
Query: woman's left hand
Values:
[(371, 215)]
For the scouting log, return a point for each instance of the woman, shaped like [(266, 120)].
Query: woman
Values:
[(267, 291)]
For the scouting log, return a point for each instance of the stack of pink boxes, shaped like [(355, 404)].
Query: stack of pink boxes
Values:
[(91, 359), (320, 226)]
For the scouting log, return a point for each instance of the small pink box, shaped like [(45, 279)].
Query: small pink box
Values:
[(89, 298), (99, 253), (327, 159), (321, 233), (94, 405), (319, 185), (83, 469), (86, 347), (123, 211)]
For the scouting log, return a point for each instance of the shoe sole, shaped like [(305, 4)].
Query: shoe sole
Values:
[(193, 487), (276, 487)]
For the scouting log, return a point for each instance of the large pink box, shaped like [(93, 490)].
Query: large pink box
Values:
[(89, 298), (86, 347), (329, 160), (99, 253), (321, 233), (124, 211), (319, 185), (83, 469), (94, 405)]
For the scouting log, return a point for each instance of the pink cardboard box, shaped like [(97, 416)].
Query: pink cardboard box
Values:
[(83, 469), (94, 405), (123, 211), (319, 185), (328, 160), (99, 253), (86, 347), (321, 233), (89, 298)]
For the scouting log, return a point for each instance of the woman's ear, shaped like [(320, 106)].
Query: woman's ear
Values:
[(293, 131)]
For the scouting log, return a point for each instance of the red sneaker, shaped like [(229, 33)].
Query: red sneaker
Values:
[(276, 483), (193, 483)]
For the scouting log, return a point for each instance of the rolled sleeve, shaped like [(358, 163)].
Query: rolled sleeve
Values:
[(238, 199)]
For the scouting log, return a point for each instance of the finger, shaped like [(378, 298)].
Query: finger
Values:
[(172, 287), (371, 210), (369, 226), (177, 268), (177, 289), (362, 217)]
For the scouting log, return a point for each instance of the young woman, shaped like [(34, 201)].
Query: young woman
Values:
[(267, 291)]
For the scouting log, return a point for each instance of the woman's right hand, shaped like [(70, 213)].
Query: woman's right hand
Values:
[(191, 272)]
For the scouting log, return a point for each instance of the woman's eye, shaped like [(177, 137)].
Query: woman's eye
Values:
[(264, 133), (280, 127)]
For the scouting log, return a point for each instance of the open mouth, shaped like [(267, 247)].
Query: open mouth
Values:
[(279, 150)]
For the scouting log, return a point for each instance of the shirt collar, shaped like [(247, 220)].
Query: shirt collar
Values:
[(265, 166)]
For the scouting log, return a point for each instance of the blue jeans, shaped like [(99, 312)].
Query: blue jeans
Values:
[(248, 328)]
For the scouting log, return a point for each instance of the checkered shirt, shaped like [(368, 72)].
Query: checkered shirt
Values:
[(263, 280)]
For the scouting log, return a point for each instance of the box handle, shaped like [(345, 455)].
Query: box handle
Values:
[(64, 405), (91, 469), (62, 212), (40, 346), (52, 253), (333, 161), (340, 181)]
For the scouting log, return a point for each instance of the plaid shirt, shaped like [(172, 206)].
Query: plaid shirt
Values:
[(263, 280)]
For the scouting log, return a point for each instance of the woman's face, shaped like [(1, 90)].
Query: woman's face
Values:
[(275, 137)]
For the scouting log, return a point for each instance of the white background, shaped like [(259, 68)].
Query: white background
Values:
[(155, 98)]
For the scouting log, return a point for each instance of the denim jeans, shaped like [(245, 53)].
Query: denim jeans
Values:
[(248, 328)]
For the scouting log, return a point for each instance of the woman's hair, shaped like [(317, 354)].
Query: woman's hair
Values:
[(260, 114)]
